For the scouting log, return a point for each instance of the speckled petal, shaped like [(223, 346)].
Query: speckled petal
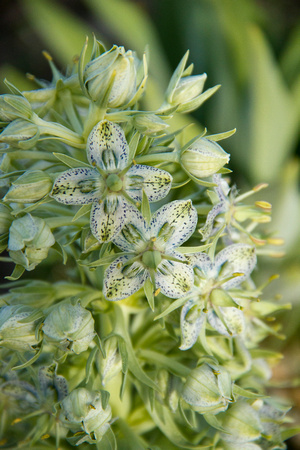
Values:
[(134, 234), (234, 319), (77, 186), (108, 217), (174, 223), (155, 182), (217, 323), (240, 258), (107, 147), (190, 326), (175, 279), (121, 281)]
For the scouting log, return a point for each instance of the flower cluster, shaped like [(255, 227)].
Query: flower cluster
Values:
[(125, 276)]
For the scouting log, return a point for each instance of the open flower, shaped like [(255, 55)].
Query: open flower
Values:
[(151, 252), (210, 298), (111, 183)]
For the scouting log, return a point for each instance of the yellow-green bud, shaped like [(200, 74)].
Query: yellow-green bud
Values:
[(29, 241), (82, 410), (188, 88), (70, 326), (203, 158), (29, 187), (112, 363), (20, 131), (15, 334), (151, 258), (149, 124), (208, 389), (5, 218), (115, 69), (14, 107)]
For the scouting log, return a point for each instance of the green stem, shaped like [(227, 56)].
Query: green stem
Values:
[(159, 157), (55, 222), (32, 154), (165, 361), (58, 130), (95, 115)]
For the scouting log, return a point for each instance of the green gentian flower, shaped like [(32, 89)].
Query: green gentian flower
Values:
[(210, 299), (151, 252), (111, 184)]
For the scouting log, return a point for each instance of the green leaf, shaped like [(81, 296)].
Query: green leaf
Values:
[(89, 364), (108, 441), (290, 432), (146, 212), (188, 250), (85, 209), (237, 390), (17, 273), (70, 162), (220, 136), (220, 297), (30, 361), (148, 288)]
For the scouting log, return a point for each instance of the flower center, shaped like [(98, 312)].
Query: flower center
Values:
[(114, 182), (151, 258)]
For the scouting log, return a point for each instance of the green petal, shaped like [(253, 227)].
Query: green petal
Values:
[(77, 186), (107, 147), (121, 281), (155, 182), (175, 279)]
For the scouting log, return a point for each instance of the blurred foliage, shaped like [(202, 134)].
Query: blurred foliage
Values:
[(250, 47)]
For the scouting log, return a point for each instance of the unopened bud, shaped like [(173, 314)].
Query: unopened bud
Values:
[(203, 158), (149, 124), (14, 107), (19, 130), (29, 187)]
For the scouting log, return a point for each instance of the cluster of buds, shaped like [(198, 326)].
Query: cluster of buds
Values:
[(150, 288)]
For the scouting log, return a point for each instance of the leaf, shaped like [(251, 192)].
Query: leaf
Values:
[(85, 209), (148, 288), (146, 212), (30, 361), (71, 162), (108, 441), (17, 273), (237, 390), (89, 364)]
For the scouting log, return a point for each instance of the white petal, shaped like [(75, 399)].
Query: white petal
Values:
[(121, 281), (174, 223), (77, 186), (191, 326), (240, 258), (207, 228), (234, 319), (174, 279), (217, 323), (203, 262), (135, 232), (107, 147), (108, 217), (155, 182)]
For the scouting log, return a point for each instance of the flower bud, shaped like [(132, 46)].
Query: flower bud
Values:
[(207, 389), (82, 410), (114, 70), (20, 131), (242, 424), (70, 326), (149, 124), (15, 334), (29, 187), (29, 241), (112, 363), (203, 158), (14, 107), (187, 89)]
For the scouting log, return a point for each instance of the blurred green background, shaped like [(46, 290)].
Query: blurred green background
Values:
[(251, 48)]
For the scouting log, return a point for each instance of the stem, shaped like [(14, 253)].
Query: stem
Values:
[(165, 361), (95, 115), (55, 129), (55, 222), (32, 154), (158, 157)]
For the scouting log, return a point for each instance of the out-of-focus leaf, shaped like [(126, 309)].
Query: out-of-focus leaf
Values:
[(63, 32), (272, 121), (16, 77), (290, 59)]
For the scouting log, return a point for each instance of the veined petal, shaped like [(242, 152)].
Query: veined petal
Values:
[(240, 258), (191, 321), (107, 147), (77, 186), (202, 261), (217, 323), (174, 223), (234, 319), (134, 234), (174, 279), (121, 280), (155, 182), (108, 217)]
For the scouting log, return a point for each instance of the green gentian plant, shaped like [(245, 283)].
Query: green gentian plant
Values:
[(113, 334)]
